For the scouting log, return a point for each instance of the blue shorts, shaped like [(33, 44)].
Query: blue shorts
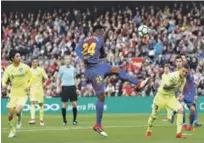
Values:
[(95, 74), (189, 103)]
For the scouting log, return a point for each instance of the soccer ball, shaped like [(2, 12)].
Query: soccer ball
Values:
[(143, 30)]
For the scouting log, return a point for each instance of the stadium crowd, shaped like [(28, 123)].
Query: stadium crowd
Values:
[(48, 35)]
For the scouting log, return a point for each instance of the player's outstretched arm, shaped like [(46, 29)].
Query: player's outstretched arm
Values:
[(78, 50), (45, 77), (30, 77)]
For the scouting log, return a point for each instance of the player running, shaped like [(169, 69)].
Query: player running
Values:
[(36, 91), (20, 76), (90, 50), (166, 98)]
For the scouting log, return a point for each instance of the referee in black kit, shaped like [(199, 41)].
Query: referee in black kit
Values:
[(67, 88)]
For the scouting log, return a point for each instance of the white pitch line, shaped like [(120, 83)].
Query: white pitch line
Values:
[(187, 134), (72, 128)]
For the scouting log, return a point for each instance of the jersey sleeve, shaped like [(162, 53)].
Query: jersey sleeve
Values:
[(29, 75), (102, 50), (5, 77), (78, 50), (75, 72), (44, 74)]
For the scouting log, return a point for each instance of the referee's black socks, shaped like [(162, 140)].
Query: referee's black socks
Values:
[(64, 115), (74, 110)]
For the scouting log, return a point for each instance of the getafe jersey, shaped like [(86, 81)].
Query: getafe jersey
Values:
[(20, 77), (38, 75), (171, 84)]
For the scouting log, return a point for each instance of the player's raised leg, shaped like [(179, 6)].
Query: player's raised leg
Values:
[(125, 76)]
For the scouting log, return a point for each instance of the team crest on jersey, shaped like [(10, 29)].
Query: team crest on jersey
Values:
[(20, 69)]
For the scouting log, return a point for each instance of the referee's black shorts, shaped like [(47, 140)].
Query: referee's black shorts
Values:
[(68, 93)]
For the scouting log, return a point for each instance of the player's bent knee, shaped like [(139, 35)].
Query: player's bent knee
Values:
[(18, 109), (41, 104), (18, 112)]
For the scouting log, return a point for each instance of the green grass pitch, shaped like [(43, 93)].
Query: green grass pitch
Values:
[(121, 128)]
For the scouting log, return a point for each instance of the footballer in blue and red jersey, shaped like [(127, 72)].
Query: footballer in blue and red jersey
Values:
[(91, 50), (189, 98)]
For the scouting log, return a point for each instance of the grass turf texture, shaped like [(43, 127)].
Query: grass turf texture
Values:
[(121, 128)]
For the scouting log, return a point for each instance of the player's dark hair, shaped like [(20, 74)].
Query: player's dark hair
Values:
[(97, 27), (12, 54), (67, 53), (186, 66), (183, 55), (34, 58), (167, 65), (178, 57)]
